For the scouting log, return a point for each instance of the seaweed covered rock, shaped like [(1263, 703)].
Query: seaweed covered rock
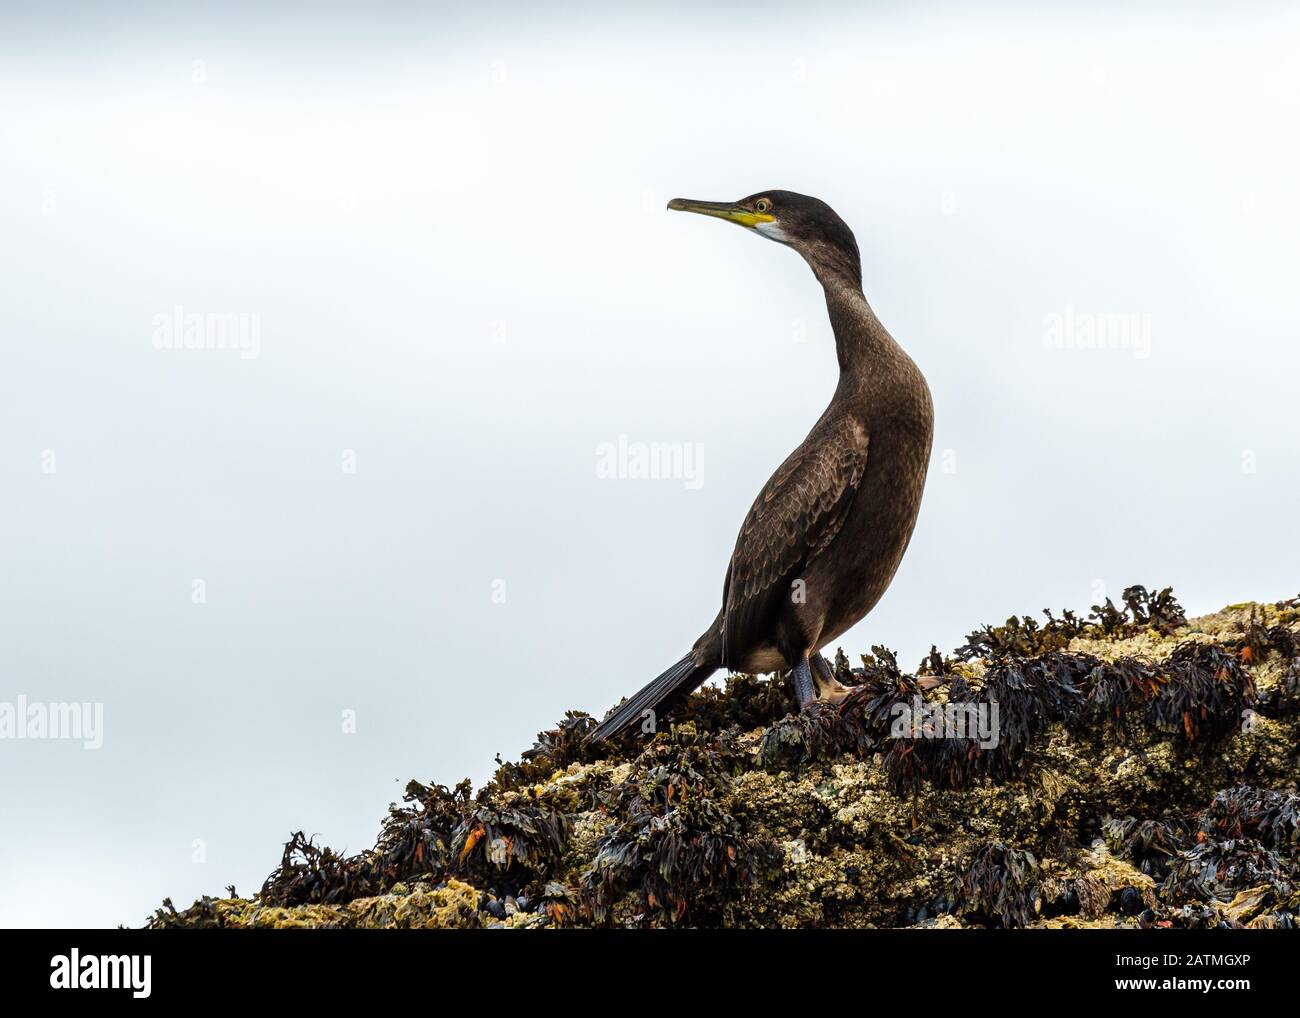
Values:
[(1126, 768)]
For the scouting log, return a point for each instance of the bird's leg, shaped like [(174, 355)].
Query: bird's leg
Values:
[(829, 688), (805, 690)]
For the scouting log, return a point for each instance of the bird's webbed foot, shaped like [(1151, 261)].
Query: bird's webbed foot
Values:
[(829, 688), (815, 682)]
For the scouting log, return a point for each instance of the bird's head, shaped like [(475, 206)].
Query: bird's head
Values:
[(808, 225)]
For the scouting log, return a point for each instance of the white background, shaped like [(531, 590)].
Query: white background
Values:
[(452, 229)]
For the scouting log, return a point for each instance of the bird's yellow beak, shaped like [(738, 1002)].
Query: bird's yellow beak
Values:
[(722, 210)]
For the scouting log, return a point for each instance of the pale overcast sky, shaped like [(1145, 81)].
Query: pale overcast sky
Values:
[(377, 542)]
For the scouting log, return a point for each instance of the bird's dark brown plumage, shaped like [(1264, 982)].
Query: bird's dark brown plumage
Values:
[(826, 534), (794, 519)]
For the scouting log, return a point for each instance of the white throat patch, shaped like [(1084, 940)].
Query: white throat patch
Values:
[(772, 232)]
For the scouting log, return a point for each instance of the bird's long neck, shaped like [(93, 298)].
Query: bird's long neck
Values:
[(862, 344)]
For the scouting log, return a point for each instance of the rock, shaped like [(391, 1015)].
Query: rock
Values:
[(1174, 740)]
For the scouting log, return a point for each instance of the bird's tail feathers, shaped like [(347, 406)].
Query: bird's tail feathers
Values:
[(681, 678)]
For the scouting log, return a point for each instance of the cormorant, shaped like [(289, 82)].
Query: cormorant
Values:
[(825, 535)]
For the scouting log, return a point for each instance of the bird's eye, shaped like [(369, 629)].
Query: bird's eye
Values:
[(762, 205)]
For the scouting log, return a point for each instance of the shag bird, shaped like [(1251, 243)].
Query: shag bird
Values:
[(826, 534)]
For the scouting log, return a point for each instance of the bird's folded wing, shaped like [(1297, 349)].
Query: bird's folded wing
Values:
[(797, 514)]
